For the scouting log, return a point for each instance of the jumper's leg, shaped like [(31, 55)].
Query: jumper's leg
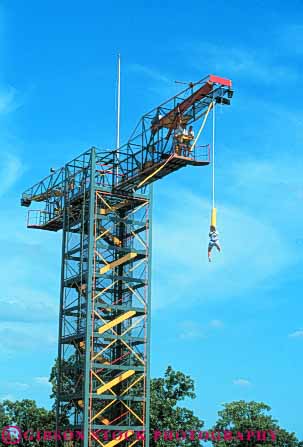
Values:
[(218, 247), (209, 252)]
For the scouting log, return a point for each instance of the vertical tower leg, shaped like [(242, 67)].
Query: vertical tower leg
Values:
[(103, 387)]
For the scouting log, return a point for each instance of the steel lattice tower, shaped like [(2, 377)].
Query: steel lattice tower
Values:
[(102, 203)]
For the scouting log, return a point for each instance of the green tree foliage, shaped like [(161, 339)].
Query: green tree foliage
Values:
[(252, 416), (166, 415), (27, 416), (4, 418), (70, 372)]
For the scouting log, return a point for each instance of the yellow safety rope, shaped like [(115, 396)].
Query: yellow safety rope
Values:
[(154, 173), (202, 125)]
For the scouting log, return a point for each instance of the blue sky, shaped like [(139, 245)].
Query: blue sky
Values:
[(235, 325)]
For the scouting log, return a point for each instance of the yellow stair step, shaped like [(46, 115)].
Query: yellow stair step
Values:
[(115, 381), (119, 261), (116, 321)]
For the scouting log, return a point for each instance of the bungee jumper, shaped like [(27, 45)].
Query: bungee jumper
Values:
[(213, 241)]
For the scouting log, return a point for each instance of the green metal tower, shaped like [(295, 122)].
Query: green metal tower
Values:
[(102, 202)]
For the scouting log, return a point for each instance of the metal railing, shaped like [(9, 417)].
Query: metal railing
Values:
[(38, 218)]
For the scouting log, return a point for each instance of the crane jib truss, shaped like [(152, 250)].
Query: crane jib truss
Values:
[(101, 201)]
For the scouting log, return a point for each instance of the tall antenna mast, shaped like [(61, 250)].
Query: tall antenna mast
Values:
[(118, 103), (118, 117)]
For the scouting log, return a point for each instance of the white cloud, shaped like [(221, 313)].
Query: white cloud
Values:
[(297, 334), (241, 382), (272, 188), (20, 386), (29, 305), (30, 268), (245, 63), (276, 175), (34, 297), (7, 397), (11, 169), (217, 324), (151, 73), (42, 380), (159, 85), (8, 100), (22, 338), (191, 330)]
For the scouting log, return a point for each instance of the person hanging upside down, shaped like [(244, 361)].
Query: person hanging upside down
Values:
[(213, 241)]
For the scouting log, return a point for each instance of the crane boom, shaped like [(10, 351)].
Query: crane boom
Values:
[(147, 150)]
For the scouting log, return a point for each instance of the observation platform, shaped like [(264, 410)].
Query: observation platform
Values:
[(155, 171)]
